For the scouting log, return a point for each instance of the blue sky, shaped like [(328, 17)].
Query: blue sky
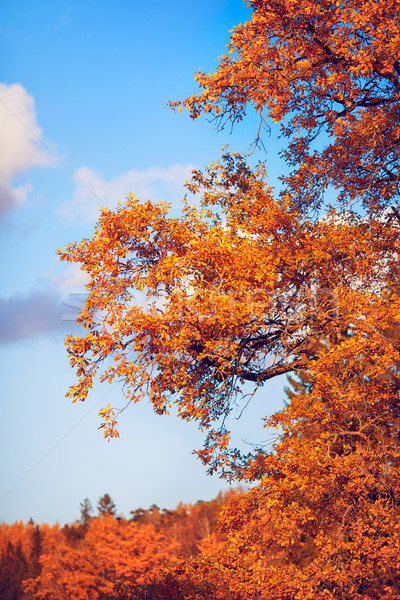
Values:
[(83, 122)]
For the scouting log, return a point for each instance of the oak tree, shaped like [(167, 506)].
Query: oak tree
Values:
[(254, 283), (326, 70), (242, 290)]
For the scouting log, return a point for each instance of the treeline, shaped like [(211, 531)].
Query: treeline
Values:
[(95, 556)]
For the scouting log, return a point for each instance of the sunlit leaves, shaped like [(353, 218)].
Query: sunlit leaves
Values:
[(241, 290), (256, 283), (328, 71)]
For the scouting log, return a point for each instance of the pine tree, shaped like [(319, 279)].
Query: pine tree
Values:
[(86, 509), (106, 506)]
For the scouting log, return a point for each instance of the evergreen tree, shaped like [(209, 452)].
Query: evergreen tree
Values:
[(86, 509), (13, 570), (106, 506)]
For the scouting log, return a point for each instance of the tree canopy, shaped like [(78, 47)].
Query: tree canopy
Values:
[(255, 282), (328, 71)]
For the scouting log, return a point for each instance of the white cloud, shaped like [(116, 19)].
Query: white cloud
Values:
[(155, 183), (72, 278), (19, 143), (34, 314), (53, 308)]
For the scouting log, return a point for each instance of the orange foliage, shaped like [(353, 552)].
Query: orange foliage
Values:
[(109, 551), (86, 561), (327, 66), (226, 295), (255, 284)]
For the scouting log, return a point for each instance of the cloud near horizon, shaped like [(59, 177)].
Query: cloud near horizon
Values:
[(28, 316), (52, 309), (20, 149), (155, 183)]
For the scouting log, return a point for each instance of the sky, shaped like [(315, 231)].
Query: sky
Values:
[(84, 122)]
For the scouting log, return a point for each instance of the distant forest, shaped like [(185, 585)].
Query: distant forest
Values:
[(106, 556)]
